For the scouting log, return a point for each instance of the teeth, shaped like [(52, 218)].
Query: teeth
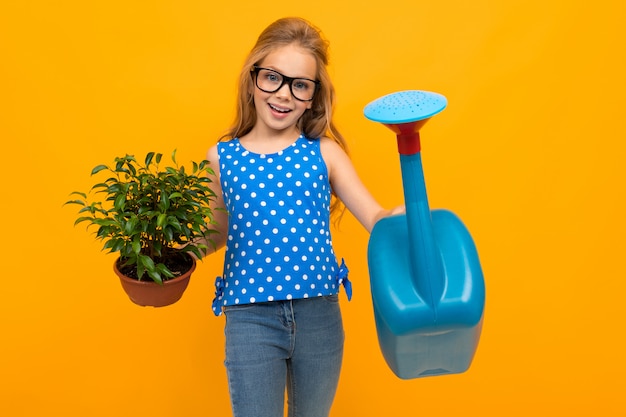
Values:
[(279, 110)]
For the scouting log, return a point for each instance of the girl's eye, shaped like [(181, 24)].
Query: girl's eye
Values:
[(275, 78), (301, 85)]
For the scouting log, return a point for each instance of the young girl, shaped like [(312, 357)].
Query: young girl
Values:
[(282, 162)]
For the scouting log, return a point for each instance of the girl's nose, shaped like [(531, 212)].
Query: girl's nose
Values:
[(284, 91)]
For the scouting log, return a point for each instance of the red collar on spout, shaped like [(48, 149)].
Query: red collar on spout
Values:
[(408, 136), (409, 144)]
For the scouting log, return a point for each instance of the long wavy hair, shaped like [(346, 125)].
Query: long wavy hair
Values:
[(315, 122)]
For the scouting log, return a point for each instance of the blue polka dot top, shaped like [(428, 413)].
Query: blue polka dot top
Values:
[(279, 245)]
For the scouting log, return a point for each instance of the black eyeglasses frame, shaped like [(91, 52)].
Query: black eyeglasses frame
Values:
[(286, 80)]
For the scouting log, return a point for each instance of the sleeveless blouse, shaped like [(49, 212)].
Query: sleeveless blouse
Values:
[(279, 245)]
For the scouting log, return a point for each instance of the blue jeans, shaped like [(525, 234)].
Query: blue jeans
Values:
[(294, 345)]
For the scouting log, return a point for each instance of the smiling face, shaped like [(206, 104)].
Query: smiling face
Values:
[(278, 113)]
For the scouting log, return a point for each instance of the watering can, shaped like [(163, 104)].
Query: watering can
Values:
[(427, 284)]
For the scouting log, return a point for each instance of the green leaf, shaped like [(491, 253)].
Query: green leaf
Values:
[(129, 226), (136, 247), (156, 277), (173, 221), (140, 271), (83, 195), (114, 245), (165, 271), (149, 157), (119, 245), (194, 249), (120, 201), (90, 209), (146, 261), (161, 219), (79, 202), (105, 222), (102, 185), (168, 233), (98, 169), (127, 252), (83, 219), (164, 204), (158, 247)]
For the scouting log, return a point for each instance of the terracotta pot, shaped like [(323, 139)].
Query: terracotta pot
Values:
[(150, 294)]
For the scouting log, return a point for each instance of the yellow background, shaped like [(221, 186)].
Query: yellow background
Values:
[(530, 153)]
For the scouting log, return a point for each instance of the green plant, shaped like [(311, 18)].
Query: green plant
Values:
[(150, 214)]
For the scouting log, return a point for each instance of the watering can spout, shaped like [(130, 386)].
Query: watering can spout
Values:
[(427, 283), (426, 265)]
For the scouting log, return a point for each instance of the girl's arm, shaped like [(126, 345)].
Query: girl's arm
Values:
[(349, 187), (219, 211)]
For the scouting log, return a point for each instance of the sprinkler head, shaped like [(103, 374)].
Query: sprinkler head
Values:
[(405, 112)]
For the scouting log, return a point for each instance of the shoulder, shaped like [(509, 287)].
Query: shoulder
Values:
[(212, 154), (334, 155), (331, 150), (215, 150), (330, 147)]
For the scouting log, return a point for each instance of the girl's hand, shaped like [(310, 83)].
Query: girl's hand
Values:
[(391, 212), (397, 210)]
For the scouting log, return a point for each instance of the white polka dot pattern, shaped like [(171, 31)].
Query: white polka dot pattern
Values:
[(279, 245)]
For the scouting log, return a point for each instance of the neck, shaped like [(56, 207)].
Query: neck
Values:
[(269, 142)]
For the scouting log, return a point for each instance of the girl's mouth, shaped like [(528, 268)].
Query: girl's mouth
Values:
[(279, 109)]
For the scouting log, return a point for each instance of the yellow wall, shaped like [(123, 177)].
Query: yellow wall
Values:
[(529, 153)]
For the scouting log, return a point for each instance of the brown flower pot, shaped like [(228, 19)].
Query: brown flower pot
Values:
[(150, 294)]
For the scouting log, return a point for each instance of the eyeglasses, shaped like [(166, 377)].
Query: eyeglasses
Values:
[(270, 81)]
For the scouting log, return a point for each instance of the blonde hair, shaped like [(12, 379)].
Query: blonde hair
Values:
[(315, 122)]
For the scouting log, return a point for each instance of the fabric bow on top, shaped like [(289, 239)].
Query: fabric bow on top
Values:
[(220, 284), (342, 279)]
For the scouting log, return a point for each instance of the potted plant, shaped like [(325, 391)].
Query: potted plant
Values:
[(156, 217)]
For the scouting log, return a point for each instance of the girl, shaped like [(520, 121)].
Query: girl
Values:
[(282, 162)]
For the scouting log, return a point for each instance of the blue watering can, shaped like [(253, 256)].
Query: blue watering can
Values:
[(427, 283)]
